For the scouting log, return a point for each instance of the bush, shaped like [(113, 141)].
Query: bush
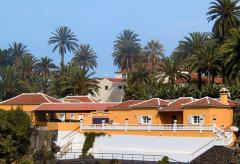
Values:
[(89, 141), (165, 160)]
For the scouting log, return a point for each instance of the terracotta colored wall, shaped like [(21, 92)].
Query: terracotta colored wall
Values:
[(26, 108)]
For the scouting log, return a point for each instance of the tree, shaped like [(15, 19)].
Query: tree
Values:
[(171, 69), (8, 82), (186, 48), (27, 65), (5, 58), (78, 82), (206, 58), (63, 39), (17, 50), (126, 50), (231, 52), (15, 129), (45, 66), (226, 15), (85, 57), (155, 51)]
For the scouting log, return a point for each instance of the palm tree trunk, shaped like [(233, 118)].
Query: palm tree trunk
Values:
[(62, 59)]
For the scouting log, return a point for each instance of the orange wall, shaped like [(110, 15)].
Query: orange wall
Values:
[(26, 108), (119, 115), (224, 116)]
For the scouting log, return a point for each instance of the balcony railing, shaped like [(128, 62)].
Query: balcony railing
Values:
[(149, 127)]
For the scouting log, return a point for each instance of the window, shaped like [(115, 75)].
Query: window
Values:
[(145, 119), (62, 116), (124, 76), (72, 116), (106, 87), (120, 87), (195, 119)]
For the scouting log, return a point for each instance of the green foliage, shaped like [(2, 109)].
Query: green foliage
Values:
[(165, 160), (15, 129), (89, 141)]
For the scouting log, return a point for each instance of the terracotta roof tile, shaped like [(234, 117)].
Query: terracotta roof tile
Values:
[(154, 102), (74, 106), (116, 80), (30, 99), (206, 101), (177, 104), (78, 99), (126, 104)]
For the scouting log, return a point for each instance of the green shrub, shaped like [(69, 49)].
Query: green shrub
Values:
[(165, 160), (89, 141)]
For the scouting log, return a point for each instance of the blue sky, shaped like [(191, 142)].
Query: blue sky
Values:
[(97, 22)]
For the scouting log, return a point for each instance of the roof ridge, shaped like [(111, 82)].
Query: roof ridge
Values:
[(11, 98), (142, 102)]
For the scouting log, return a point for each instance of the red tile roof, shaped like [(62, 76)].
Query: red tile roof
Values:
[(233, 103), (154, 102), (30, 99), (78, 99), (126, 104), (177, 104), (205, 102), (74, 106)]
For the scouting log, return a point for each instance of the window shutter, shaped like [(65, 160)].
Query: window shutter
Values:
[(189, 119), (140, 119), (202, 117), (150, 119)]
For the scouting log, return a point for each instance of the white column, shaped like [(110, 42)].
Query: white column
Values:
[(103, 122), (174, 125), (81, 124), (126, 125)]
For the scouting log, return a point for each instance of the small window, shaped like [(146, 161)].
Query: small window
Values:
[(124, 76), (120, 87), (106, 87), (72, 116), (145, 119), (195, 119), (62, 116)]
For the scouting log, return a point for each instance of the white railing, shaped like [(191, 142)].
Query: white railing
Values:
[(148, 127)]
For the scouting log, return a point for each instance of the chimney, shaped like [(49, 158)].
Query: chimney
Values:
[(224, 96)]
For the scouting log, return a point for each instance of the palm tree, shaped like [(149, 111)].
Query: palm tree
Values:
[(226, 15), (5, 57), (171, 69), (126, 50), (63, 39), (8, 82), (85, 57), (44, 66), (154, 50), (231, 51), (27, 65), (17, 50), (206, 58), (186, 48), (79, 82), (140, 76)]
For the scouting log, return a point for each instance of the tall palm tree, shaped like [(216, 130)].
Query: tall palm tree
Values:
[(27, 65), (85, 57), (79, 82), (63, 39), (171, 69), (126, 50), (206, 58), (5, 57), (226, 15), (231, 51), (155, 51), (8, 82), (17, 50), (44, 66), (189, 46)]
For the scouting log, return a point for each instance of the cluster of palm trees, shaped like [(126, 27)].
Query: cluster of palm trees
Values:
[(20, 71), (211, 54)]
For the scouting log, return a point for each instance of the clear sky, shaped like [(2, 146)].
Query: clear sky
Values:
[(97, 22)]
